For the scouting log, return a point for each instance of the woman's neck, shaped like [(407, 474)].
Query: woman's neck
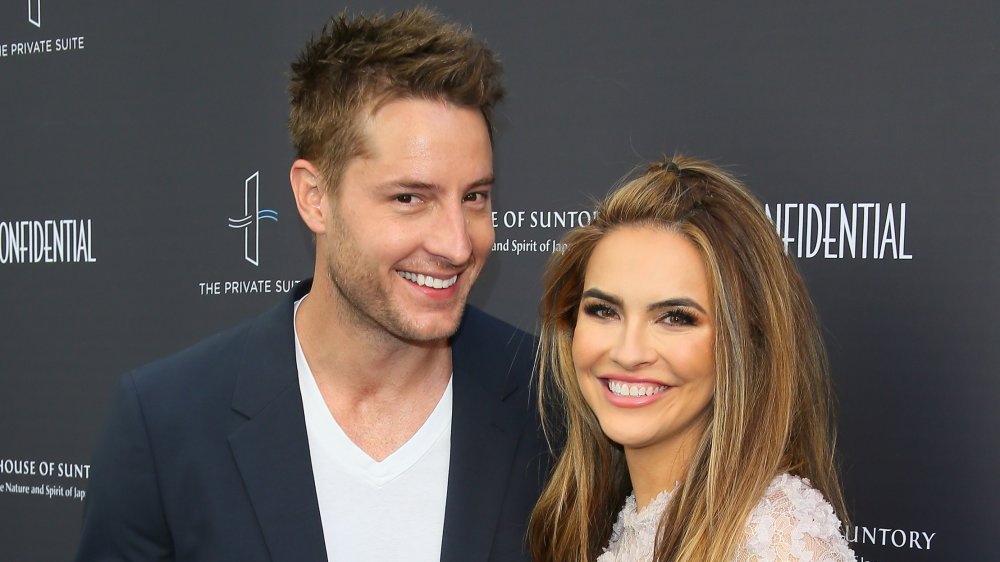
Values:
[(659, 467)]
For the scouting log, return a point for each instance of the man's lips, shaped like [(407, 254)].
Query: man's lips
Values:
[(426, 280)]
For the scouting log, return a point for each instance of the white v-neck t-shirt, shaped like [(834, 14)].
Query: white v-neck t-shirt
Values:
[(378, 511)]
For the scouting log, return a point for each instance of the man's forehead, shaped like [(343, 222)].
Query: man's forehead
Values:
[(413, 127), (423, 144)]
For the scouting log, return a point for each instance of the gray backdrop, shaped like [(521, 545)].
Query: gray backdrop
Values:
[(130, 135)]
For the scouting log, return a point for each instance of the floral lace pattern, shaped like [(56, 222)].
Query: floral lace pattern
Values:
[(791, 523)]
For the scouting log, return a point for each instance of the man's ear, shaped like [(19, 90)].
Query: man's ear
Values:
[(310, 195)]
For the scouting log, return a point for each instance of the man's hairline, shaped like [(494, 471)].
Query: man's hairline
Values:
[(365, 115)]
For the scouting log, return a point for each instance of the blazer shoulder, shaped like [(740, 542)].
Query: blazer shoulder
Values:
[(209, 369), (479, 320), (488, 344), (218, 353), (485, 331)]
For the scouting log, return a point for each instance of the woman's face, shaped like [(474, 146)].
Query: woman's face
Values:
[(643, 344)]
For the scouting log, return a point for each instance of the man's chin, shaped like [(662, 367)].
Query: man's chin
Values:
[(434, 327)]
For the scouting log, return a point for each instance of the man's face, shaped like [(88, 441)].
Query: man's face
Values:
[(410, 225)]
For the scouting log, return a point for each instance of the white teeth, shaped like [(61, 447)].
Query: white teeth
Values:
[(634, 390), (427, 280)]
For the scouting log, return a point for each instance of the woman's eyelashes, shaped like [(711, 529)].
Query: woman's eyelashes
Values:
[(678, 316), (600, 310)]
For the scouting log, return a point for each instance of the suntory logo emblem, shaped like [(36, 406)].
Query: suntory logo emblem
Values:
[(252, 215), (35, 12)]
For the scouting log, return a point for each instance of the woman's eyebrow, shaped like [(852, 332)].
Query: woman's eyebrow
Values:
[(667, 303), (675, 302), (599, 294)]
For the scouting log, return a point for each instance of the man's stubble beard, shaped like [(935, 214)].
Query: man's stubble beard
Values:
[(365, 301)]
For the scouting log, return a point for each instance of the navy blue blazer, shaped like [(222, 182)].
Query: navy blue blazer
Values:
[(204, 456)]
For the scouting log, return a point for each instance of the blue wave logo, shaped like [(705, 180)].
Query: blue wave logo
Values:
[(250, 221), (263, 214)]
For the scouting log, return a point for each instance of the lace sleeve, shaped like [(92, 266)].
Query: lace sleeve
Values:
[(793, 523)]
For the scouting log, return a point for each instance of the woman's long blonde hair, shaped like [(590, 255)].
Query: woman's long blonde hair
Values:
[(772, 411)]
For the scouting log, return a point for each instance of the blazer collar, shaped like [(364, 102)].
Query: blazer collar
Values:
[(271, 448), (486, 425)]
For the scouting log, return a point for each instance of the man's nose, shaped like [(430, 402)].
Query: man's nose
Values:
[(448, 237)]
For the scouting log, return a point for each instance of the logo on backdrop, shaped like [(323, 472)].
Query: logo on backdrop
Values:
[(250, 221), (34, 46), (550, 226), (868, 231), (46, 480), (35, 12), (894, 539), (47, 241)]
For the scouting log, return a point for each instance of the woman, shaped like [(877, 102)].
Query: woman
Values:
[(682, 363)]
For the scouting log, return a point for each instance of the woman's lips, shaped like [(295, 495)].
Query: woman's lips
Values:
[(632, 392)]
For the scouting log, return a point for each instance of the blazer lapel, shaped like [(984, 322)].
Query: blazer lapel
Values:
[(271, 448), (484, 435)]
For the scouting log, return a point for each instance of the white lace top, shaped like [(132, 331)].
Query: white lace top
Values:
[(791, 523)]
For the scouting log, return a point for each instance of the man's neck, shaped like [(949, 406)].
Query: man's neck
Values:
[(357, 351), (379, 388)]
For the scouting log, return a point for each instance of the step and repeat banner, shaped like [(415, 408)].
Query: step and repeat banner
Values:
[(145, 205)]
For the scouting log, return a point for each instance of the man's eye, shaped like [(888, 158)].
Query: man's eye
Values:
[(476, 197), (406, 198)]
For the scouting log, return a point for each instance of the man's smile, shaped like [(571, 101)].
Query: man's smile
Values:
[(428, 281)]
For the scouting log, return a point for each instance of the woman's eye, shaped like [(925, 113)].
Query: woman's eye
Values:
[(601, 311), (679, 318)]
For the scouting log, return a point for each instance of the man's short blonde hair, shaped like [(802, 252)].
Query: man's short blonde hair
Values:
[(359, 63)]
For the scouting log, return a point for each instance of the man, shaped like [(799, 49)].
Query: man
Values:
[(372, 416)]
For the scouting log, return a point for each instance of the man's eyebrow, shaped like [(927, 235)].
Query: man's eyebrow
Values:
[(411, 184), (417, 184), (485, 180)]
